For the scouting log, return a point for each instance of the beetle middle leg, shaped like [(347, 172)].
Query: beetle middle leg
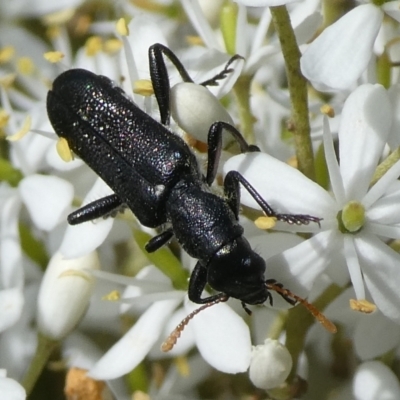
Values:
[(232, 190)]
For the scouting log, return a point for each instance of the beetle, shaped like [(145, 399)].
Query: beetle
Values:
[(154, 172)]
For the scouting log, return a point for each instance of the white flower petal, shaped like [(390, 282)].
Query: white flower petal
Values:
[(11, 272), (264, 3), (129, 351), (270, 364), (283, 187), (11, 304), (373, 380), (394, 95), (337, 58), (79, 351), (11, 389), (382, 186), (47, 199), (298, 267), (380, 267), (392, 8), (333, 165), (64, 294), (353, 265), (86, 237), (222, 337), (375, 335), (200, 23), (364, 127)]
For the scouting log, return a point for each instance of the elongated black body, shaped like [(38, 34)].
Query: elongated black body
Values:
[(155, 174)]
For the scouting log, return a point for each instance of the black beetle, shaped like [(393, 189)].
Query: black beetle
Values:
[(155, 174)]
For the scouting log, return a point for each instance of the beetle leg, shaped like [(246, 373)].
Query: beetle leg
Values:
[(232, 190), (214, 142), (160, 79), (222, 75), (197, 283), (158, 241), (103, 207)]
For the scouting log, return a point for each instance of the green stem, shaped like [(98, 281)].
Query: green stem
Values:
[(241, 91), (297, 89), (300, 321), (44, 349)]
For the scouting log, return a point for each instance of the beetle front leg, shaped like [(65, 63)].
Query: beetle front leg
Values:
[(100, 208), (160, 79), (214, 142), (232, 190), (197, 283)]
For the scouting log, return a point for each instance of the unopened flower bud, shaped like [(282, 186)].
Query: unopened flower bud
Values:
[(270, 364), (195, 109), (65, 293)]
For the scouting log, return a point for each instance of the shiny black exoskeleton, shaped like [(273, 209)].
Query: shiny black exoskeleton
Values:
[(155, 174)]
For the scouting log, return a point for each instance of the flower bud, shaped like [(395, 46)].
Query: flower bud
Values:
[(195, 109), (270, 364), (65, 293)]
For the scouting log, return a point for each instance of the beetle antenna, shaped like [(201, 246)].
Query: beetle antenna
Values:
[(288, 295), (171, 340)]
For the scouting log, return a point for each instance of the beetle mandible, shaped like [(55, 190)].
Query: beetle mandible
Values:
[(154, 173)]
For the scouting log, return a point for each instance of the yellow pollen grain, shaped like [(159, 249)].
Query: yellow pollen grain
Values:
[(53, 32), (53, 56), (7, 80), (182, 366), (265, 222), (63, 150), (93, 45), (194, 40), (6, 54), (26, 127), (139, 395), (82, 25), (25, 66), (292, 161), (78, 385), (112, 46), (4, 118), (114, 295), (327, 110), (122, 27), (59, 17), (363, 306), (143, 87)]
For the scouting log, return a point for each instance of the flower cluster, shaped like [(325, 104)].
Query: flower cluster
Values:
[(315, 87)]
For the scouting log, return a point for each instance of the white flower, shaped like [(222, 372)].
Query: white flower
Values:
[(373, 380), (270, 364), (9, 388), (337, 57), (365, 215), (64, 294), (221, 336)]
